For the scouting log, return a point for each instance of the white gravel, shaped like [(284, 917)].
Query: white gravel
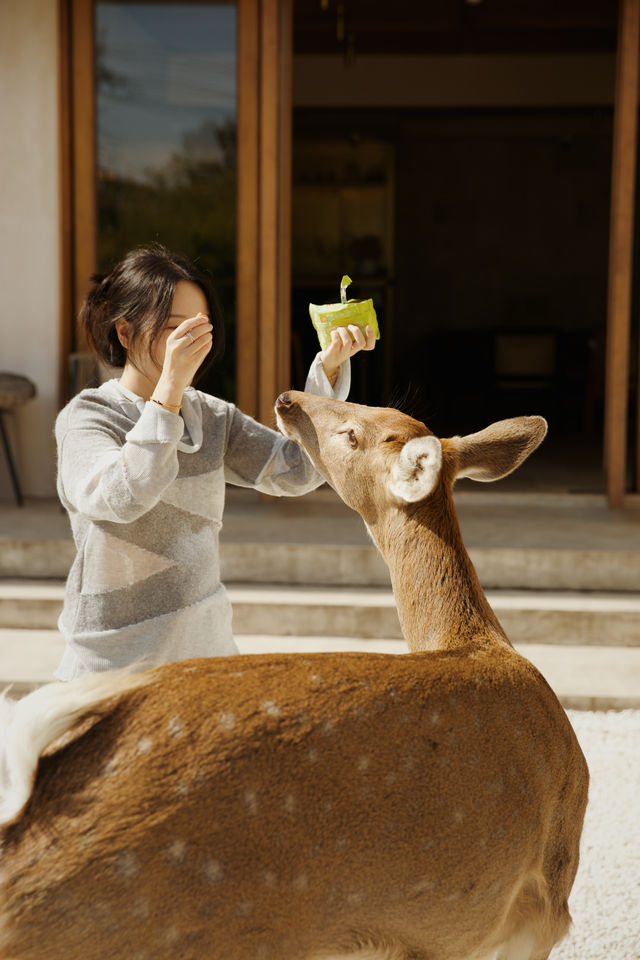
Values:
[(605, 900)]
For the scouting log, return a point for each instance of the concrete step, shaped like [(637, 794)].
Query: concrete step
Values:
[(528, 616), (359, 564), (517, 542), (509, 568), (583, 677)]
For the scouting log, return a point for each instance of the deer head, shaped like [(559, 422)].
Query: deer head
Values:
[(377, 458)]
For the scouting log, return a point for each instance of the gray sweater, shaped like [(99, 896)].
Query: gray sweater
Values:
[(145, 491)]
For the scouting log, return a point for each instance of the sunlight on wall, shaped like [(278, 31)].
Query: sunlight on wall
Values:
[(29, 232)]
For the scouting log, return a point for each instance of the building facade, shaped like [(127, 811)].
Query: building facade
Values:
[(473, 169)]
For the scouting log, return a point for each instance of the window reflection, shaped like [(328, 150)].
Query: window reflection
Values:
[(166, 138)]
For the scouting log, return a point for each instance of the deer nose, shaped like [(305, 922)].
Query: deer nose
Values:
[(284, 400)]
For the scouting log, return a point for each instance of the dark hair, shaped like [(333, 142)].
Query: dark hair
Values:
[(140, 289)]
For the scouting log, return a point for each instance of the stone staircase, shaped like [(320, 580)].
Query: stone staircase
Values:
[(563, 577)]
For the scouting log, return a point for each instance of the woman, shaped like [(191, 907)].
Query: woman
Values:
[(142, 466)]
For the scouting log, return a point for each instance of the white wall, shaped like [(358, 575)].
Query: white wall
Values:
[(29, 238)]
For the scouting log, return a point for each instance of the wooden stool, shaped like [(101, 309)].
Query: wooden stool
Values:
[(14, 391)]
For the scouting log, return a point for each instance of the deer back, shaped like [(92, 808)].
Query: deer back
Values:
[(291, 806)]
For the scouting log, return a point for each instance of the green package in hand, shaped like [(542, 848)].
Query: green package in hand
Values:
[(328, 316)]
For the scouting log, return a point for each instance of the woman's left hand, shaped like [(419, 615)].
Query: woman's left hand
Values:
[(345, 342)]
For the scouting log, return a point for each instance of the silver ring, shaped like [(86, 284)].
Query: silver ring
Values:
[(190, 335)]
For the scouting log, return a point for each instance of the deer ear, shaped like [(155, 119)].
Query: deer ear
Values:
[(499, 449), (416, 471)]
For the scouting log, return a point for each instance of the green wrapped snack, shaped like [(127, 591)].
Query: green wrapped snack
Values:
[(328, 316)]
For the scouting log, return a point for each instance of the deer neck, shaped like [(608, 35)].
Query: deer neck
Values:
[(440, 602)]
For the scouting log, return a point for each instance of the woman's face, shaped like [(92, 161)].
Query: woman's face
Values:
[(188, 301)]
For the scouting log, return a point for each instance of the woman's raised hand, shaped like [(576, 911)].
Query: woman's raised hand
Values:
[(345, 342), (185, 348)]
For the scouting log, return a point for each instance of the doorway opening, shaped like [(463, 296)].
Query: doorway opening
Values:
[(482, 237)]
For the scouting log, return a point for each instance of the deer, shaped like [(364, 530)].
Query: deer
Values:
[(313, 806)]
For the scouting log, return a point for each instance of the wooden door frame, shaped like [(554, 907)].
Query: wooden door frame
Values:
[(77, 158), (263, 310), (621, 256)]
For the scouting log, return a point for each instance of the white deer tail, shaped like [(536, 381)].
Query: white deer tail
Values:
[(29, 725)]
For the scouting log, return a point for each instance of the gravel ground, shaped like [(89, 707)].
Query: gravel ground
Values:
[(605, 901)]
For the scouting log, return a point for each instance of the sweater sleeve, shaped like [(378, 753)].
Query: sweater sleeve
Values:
[(259, 457), (108, 480), (262, 458), (318, 382)]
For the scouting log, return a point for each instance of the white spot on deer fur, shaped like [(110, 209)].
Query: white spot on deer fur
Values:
[(353, 899), (144, 745), (363, 764), (289, 803), (212, 870), (140, 908), (127, 865), (175, 727), (181, 788), (270, 708), (421, 887), (327, 728), (251, 802), (109, 768), (176, 851), (482, 842), (316, 680), (300, 883), (435, 718), (171, 935), (269, 878), (312, 755), (227, 721), (245, 909), (390, 778), (458, 815)]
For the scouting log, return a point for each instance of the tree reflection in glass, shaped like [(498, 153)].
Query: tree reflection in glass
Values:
[(166, 140)]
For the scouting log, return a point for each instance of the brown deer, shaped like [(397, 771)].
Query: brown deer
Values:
[(315, 806)]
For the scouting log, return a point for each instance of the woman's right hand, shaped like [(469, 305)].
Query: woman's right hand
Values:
[(186, 346)]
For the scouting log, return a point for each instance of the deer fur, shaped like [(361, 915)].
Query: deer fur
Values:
[(313, 806)]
